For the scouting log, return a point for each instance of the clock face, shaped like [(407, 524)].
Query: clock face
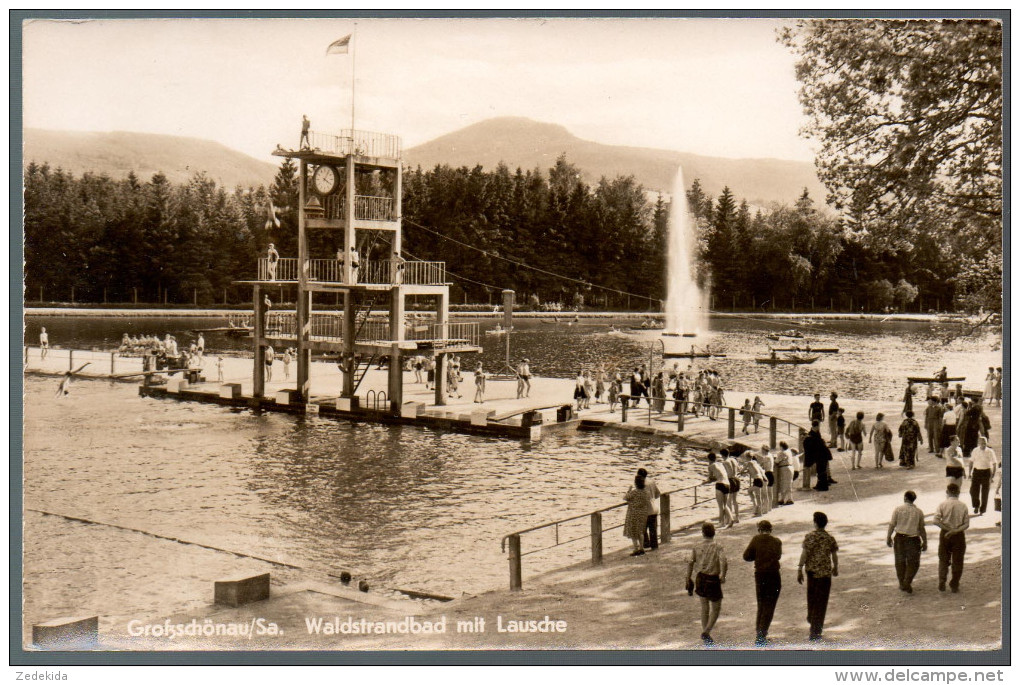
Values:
[(325, 180)]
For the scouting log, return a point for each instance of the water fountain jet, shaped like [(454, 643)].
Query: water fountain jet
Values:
[(686, 313)]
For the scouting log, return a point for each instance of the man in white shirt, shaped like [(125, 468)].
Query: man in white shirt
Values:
[(982, 461), (651, 540)]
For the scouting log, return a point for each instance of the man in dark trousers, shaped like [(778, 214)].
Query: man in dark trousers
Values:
[(765, 550), (907, 538), (817, 454), (818, 559), (953, 519), (833, 416)]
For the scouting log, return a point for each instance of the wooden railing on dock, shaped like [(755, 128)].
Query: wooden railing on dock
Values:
[(667, 507), (788, 427), (371, 272)]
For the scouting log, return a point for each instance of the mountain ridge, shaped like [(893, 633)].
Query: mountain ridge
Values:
[(522, 142), (117, 153)]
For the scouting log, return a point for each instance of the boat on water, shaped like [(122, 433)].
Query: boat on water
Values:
[(923, 379), (807, 349), (679, 335), (693, 355), (796, 335), (789, 359)]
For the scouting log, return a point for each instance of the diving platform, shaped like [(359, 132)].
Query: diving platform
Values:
[(349, 190)]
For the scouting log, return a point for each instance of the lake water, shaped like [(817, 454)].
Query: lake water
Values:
[(400, 506)]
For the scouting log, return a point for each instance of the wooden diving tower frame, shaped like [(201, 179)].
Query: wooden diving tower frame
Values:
[(329, 170)]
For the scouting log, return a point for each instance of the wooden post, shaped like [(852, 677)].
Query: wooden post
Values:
[(136, 295), (440, 384), (303, 310), (72, 294), (773, 425), (596, 538), (515, 562), (731, 423), (259, 328), (113, 363), (623, 407), (396, 370), (304, 349), (348, 340), (104, 294), (70, 360), (665, 531), (680, 416)]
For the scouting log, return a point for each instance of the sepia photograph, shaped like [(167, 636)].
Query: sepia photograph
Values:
[(394, 335)]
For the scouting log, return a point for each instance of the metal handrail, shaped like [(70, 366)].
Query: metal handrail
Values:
[(367, 143), (506, 537), (790, 425), (371, 271)]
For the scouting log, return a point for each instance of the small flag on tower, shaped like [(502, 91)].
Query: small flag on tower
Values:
[(340, 47)]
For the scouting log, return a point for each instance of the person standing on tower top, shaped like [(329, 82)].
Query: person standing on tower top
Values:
[(304, 144)]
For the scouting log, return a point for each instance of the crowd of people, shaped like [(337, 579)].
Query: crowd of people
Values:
[(956, 430)]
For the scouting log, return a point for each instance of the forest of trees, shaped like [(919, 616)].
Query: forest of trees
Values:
[(115, 240)]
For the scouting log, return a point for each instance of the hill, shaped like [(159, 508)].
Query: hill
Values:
[(521, 142), (119, 152)]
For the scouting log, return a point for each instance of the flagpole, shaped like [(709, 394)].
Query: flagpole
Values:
[(354, 78)]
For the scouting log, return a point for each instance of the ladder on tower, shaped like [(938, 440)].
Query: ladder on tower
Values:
[(362, 313)]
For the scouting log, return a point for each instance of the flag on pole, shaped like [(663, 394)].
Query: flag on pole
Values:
[(340, 47)]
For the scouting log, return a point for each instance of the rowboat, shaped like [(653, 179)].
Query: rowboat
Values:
[(789, 359), (808, 350), (789, 334), (918, 379), (689, 355)]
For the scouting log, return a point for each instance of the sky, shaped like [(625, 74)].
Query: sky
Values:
[(719, 87)]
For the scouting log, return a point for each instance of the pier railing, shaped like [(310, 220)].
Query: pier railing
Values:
[(328, 326), (366, 208), (371, 272), (354, 142), (776, 424), (672, 502), (285, 269)]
